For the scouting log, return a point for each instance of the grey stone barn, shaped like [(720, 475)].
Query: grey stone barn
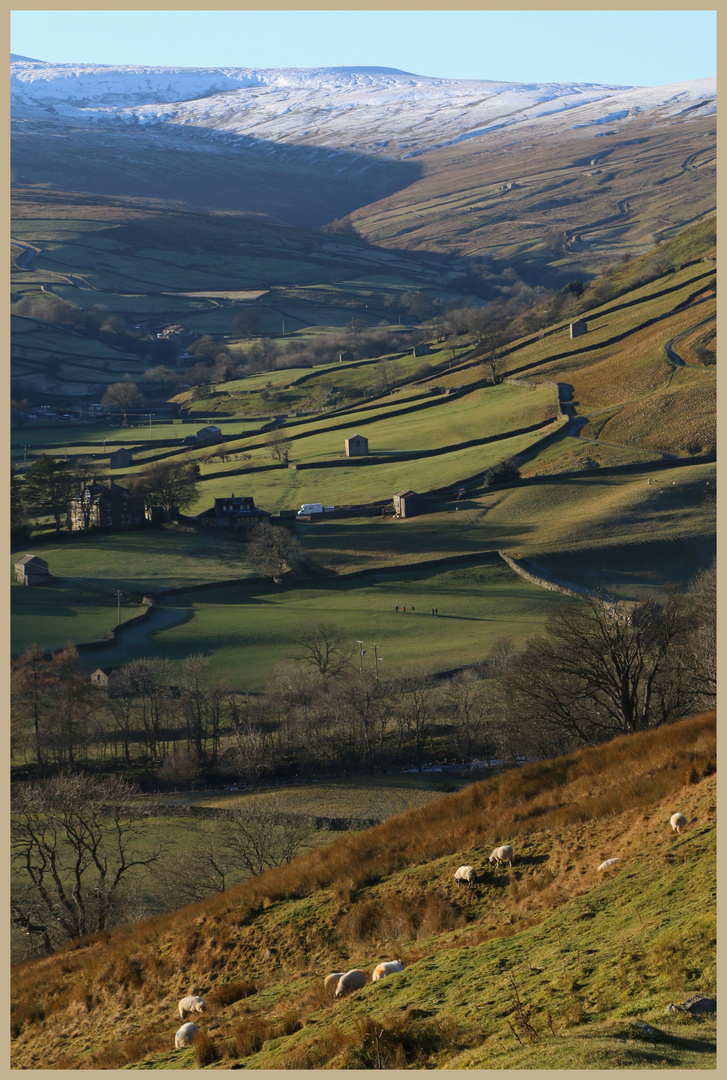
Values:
[(121, 459), (357, 446), (107, 679), (345, 356), (422, 349), (579, 327), (30, 570), (209, 434), (408, 504)]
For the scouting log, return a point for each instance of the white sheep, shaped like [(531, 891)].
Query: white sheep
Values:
[(678, 822), (466, 873), (191, 1004), (609, 862), (386, 967), (502, 854), (352, 980), (185, 1036), (331, 981)]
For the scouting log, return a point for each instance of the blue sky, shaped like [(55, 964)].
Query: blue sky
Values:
[(643, 48)]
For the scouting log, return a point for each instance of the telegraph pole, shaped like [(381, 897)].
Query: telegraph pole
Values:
[(361, 651), (149, 425), (376, 661)]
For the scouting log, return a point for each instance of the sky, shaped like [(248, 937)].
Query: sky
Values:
[(629, 48)]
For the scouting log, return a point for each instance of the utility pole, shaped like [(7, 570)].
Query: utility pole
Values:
[(376, 661), (361, 651), (149, 425)]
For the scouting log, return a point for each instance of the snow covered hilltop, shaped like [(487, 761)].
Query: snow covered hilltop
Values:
[(374, 111)]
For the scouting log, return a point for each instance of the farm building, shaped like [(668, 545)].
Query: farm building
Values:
[(357, 446), (209, 434), (345, 356), (121, 459), (102, 505), (422, 349), (232, 513), (580, 326), (106, 679), (408, 504), (30, 570)]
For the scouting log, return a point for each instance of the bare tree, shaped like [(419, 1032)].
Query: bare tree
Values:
[(207, 867), (279, 446), (263, 834), (123, 396), (77, 843), (604, 671), (274, 550), (324, 647), (467, 704)]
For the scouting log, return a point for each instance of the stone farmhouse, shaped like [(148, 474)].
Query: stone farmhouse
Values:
[(234, 512), (102, 505)]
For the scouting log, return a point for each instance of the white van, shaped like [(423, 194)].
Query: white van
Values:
[(310, 508)]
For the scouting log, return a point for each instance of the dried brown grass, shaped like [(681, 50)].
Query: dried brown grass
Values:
[(144, 963)]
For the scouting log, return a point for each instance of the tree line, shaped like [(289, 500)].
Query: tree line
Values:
[(81, 836)]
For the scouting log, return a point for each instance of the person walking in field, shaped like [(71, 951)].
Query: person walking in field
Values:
[(396, 609), (403, 609)]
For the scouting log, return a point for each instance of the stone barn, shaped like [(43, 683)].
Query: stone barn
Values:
[(209, 434), (422, 349), (579, 327), (121, 459), (30, 570), (108, 680), (357, 446), (345, 356), (408, 504)]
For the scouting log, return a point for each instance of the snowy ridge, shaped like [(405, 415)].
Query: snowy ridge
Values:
[(369, 110)]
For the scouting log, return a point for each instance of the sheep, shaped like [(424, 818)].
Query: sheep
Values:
[(502, 854), (185, 1036), (678, 822), (191, 1004), (352, 980), (331, 981), (386, 967), (466, 873), (609, 862)]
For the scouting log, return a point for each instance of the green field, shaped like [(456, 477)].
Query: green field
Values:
[(248, 629)]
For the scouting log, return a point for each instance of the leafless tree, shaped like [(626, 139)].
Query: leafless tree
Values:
[(123, 396), (603, 671), (274, 550), (280, 444), (77, 843), (325, 648), (264, 834)]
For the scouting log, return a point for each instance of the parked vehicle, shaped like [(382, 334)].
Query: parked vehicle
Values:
[(310, 508)]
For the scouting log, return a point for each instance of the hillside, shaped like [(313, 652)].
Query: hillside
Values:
[(548, 965)]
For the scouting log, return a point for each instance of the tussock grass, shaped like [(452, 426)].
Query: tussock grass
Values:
[(389, 892)]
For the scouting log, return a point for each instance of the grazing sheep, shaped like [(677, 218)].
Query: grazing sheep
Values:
[(185, 1036), (678, 822), (466, 873), (502, 854), (609, 862), (331, 981), (191, 1004), (352, 980), (387, 967)]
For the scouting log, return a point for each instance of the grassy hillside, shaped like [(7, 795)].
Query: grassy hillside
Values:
[(549, 206), (548, 965)]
